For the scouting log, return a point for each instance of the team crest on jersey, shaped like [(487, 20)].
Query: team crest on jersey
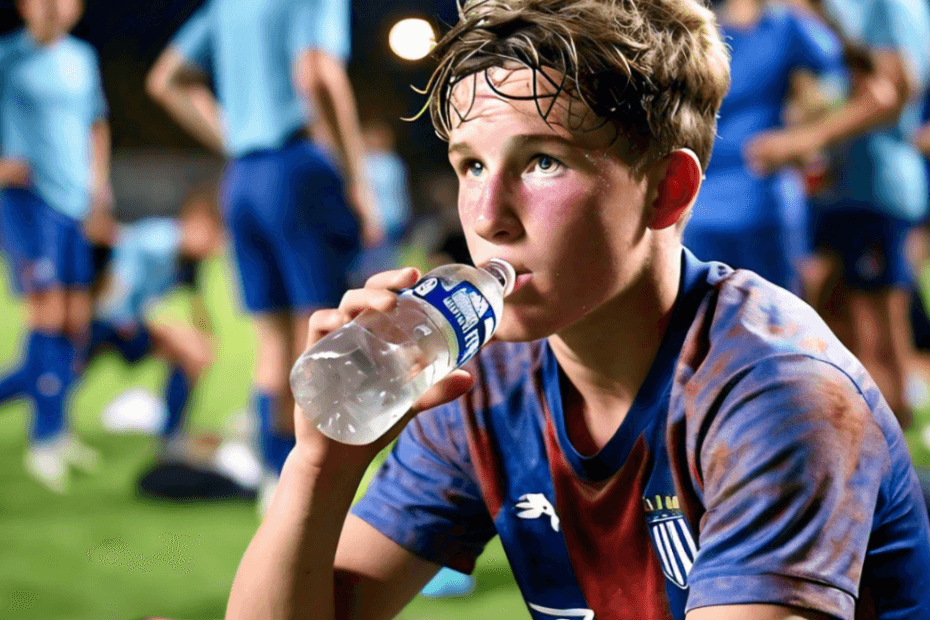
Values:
[(671, 537)]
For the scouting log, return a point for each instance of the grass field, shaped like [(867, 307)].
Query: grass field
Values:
[(99, 553)]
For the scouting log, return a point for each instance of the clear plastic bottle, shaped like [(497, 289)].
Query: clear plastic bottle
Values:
[(358, 381)]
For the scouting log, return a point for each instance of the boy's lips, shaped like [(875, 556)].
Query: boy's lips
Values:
[(522, 278)]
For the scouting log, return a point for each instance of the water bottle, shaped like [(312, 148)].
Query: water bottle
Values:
[(358, 381)]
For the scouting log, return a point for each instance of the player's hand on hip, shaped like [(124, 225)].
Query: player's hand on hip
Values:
[(15, 173), (379, 294)]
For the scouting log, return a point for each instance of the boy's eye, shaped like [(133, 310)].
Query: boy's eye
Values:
[(547, 164), (474, 168)]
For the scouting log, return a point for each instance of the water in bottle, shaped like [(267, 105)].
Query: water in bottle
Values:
[(358, 381)]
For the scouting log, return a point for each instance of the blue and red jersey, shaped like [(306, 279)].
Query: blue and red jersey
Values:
[(758, 463)]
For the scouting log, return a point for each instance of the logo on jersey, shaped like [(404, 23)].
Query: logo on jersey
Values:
[(563, 614), (671, 537), (534, 506)]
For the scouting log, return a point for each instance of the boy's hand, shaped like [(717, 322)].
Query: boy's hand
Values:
[(15, 173), (379, 294)]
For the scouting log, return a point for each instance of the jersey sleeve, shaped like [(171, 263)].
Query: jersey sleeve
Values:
[(815, 47), (792, 466), (425, 497), (321, 24), (194, 40), (120, 304)]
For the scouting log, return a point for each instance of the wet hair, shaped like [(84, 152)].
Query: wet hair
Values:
[(656, 69)]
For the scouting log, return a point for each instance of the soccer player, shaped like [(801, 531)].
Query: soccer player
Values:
[(55, 145), (881, 184), (652, 436), (278, 67), (149, 259), (767, 231)]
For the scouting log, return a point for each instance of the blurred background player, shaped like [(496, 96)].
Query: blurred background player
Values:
[(56, 151), (880, 186), (150, 258), (767, 232), (388, 175), (278, 67)]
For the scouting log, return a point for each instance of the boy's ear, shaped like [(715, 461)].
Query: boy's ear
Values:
[(679, 179)]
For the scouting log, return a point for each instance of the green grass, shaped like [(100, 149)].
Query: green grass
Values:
[(100, 553)]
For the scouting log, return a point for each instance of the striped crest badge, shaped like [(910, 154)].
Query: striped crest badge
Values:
[(671, 537)]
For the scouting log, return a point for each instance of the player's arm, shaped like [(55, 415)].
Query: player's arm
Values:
[(308, 559), (922, 139), (181, 89), (754, 612), (14, 172), (100, 149), (322, 80)]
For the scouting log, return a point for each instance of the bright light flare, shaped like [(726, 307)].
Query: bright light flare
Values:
[(412, 38)]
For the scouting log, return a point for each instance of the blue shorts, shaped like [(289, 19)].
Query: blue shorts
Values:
[(869, 244), (46, 249), (293, 234), (771, 250), (132, 348)]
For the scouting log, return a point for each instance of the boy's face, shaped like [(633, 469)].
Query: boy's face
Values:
[(555, 200), (50, 19)]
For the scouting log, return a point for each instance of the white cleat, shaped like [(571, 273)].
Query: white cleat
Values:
[(45, 464), (79, 455)]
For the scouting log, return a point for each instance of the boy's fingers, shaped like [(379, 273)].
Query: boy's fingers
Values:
[(356, 301), (457, 383), (394, 280), (323, 322)]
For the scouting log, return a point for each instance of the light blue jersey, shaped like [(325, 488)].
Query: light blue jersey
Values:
[(250, 46), (883, 169), (144, 268), (50, 98)]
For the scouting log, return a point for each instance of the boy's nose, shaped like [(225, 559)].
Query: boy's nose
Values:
[(493, 217)]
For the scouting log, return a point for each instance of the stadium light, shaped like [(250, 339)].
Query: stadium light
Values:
[(412, 38)]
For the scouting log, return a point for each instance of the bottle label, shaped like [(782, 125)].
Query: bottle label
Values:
[(465, 308)]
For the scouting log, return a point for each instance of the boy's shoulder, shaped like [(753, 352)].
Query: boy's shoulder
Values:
[(748, 330)]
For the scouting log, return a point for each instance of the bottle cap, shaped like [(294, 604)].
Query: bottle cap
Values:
[(503, 271)]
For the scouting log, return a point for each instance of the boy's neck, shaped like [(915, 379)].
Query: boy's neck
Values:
[(40, 42), (607, 356)]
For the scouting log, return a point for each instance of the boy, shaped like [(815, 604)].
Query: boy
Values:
[(278, 67), (55, 166), (652, 437), (149, 258)]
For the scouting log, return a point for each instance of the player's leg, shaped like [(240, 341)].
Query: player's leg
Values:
[(880, 280), (247, 184), (188, 355), (19, 244)]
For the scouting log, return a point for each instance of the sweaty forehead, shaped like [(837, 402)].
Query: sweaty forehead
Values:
[(539, 93)]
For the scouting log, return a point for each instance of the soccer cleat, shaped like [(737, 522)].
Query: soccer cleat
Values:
[(79, 455), (46, 465), (448, 583)]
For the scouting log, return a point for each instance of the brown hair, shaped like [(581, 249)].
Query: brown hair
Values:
[(657, 69)]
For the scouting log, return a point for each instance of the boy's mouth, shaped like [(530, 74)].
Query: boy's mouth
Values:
[(522, 279)]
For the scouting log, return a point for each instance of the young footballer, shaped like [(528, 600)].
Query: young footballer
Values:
[(54, 168), (278, 68), (150, 258), (651, 436)]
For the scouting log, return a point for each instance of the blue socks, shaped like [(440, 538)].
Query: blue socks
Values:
[(16, 383), (274, 446), (51, 381), (177, 393)]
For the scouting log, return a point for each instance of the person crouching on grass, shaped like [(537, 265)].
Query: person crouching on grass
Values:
[(651, 436)]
